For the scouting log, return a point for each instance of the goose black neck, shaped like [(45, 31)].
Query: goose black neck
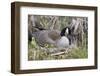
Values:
[(63, 32)]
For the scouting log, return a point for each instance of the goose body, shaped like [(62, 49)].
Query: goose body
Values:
[(46, 37), (54, 37)]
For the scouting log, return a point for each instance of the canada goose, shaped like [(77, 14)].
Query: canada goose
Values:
[(55, 37)]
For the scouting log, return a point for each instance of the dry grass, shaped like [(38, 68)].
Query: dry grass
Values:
[(36, 53)]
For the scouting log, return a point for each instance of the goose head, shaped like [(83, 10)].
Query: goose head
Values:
[(65, 31)]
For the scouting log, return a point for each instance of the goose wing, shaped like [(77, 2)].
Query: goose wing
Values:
[(54, 34)]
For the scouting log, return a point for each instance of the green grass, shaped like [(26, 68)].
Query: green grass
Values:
[(36, 53)]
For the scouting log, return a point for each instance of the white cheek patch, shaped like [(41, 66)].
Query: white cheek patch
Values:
[(67, 31)]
